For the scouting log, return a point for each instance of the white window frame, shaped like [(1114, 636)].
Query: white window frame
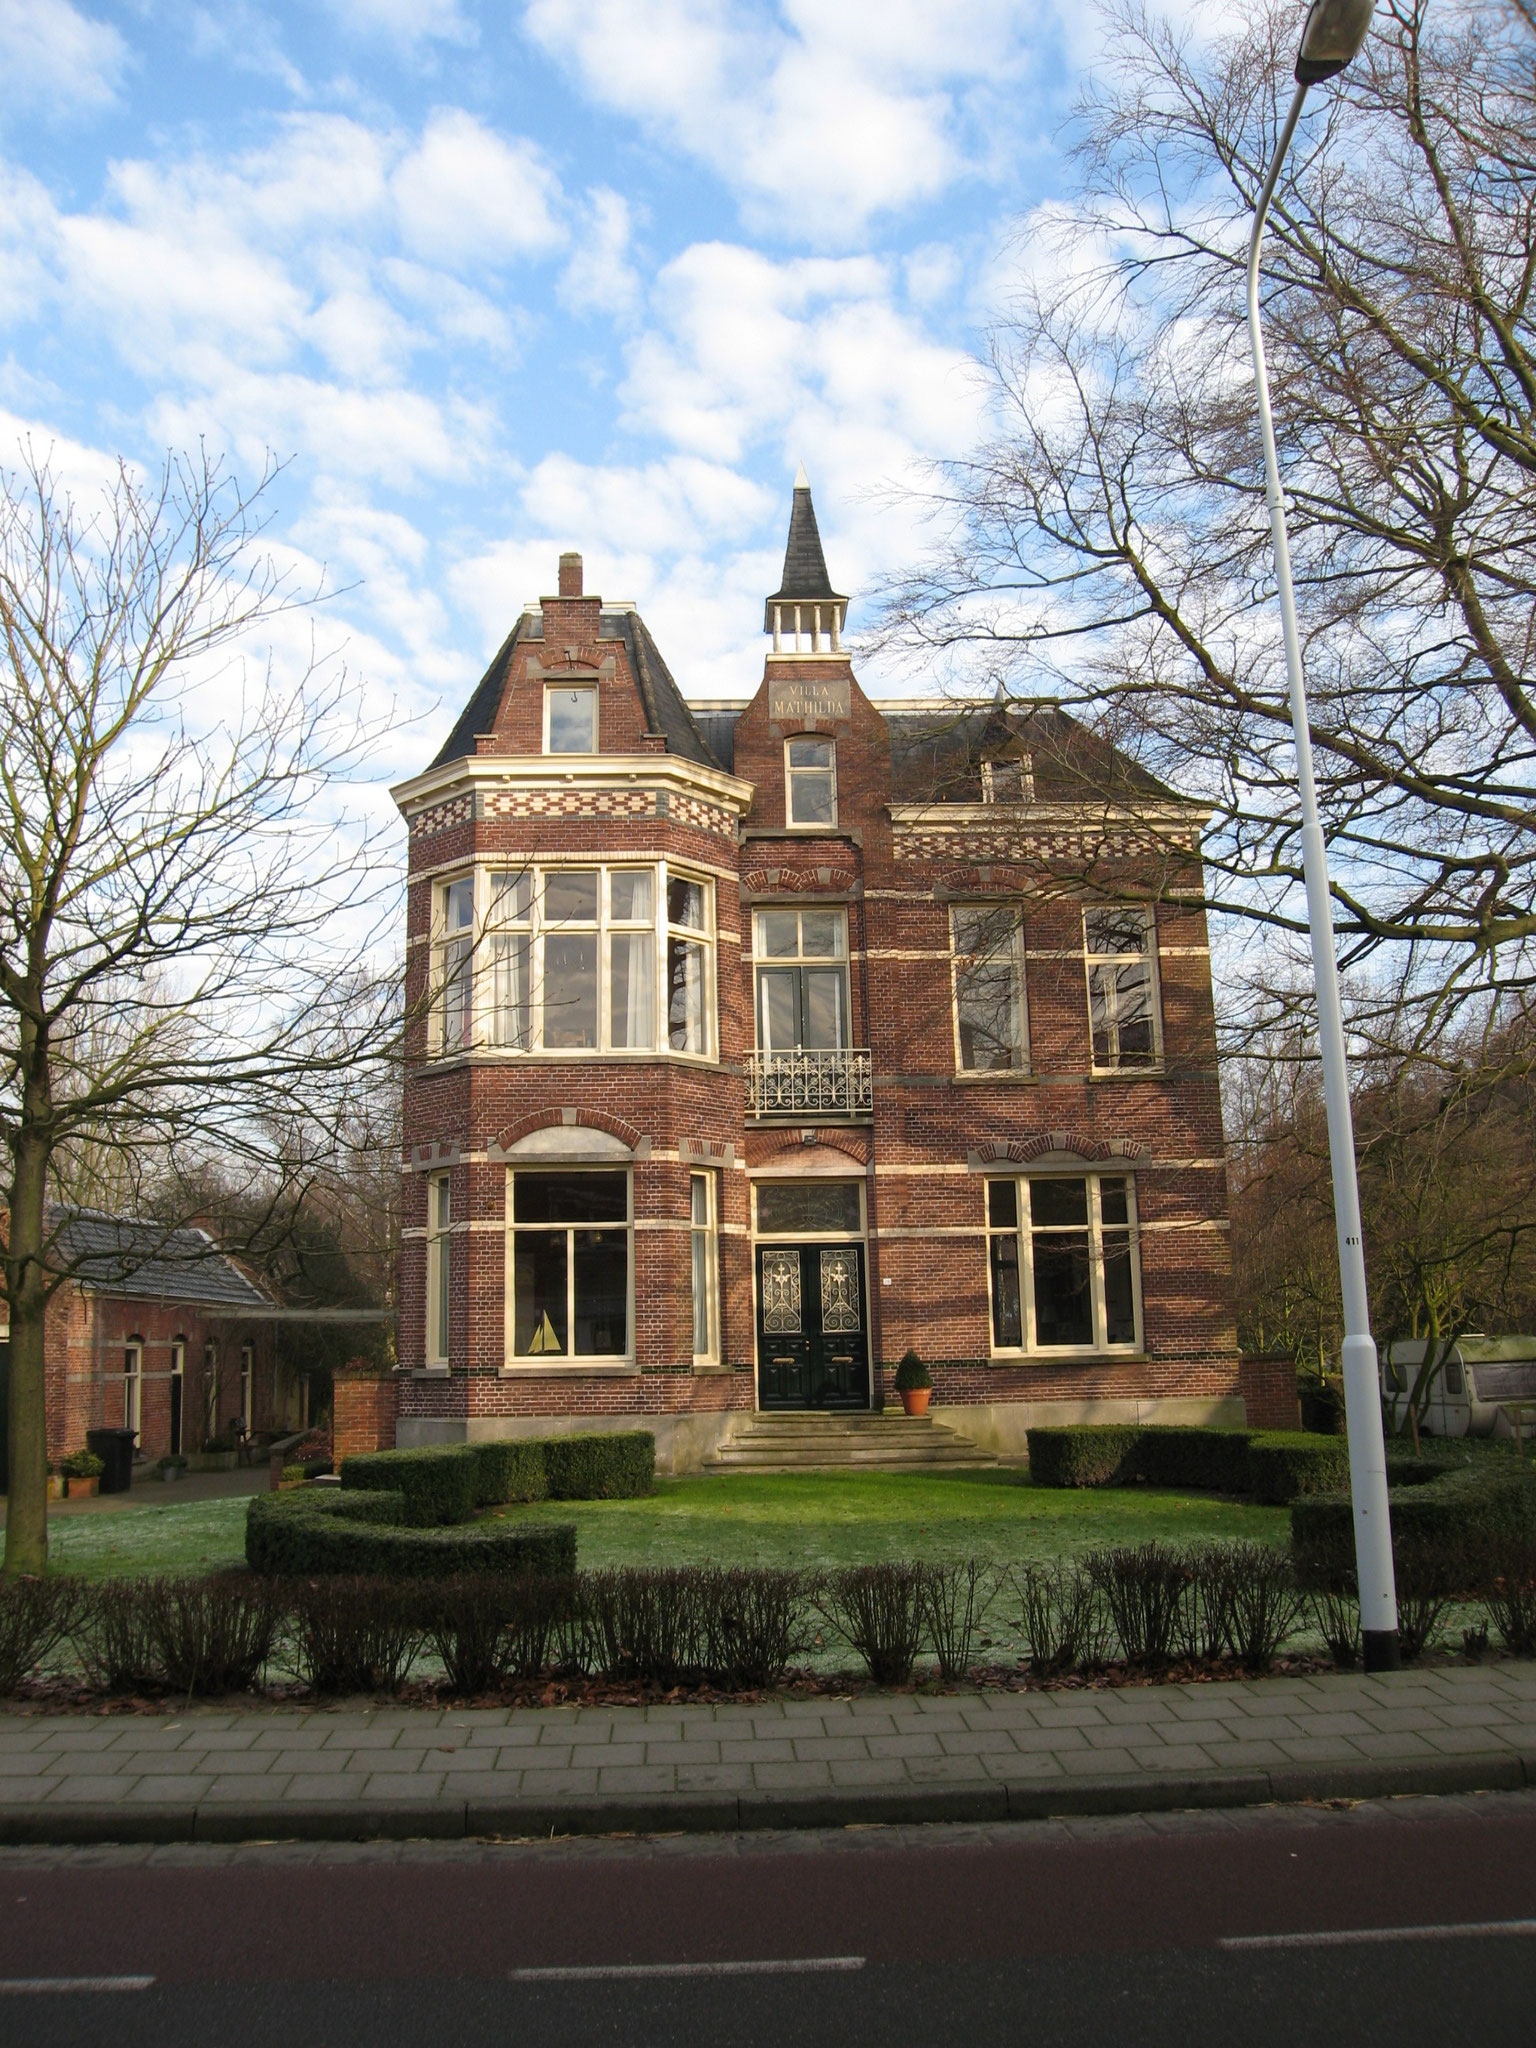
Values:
[(133, 1385), (1147, 959), (571, 688), (211, 1387), (444, 941), (704, 1262), (567, 1361), (439, 1302), (1020, 1064), (800, 960), (247, 1385), (481, 1038), (791, 823), (178, 1376), (1023, 1232)]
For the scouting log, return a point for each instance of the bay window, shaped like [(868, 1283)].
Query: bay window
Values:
[(453, 960), (570, 1260), (439, 1221), (1062, 1264), (703, 1210), (567, 961)]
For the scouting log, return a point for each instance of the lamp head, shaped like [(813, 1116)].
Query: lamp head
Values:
[(1332, 38)]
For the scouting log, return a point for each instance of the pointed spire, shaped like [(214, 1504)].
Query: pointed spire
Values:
[(805, 581)]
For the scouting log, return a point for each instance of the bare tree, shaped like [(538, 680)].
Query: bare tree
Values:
[(184, 904), (1447, 1157), (1110, 541)]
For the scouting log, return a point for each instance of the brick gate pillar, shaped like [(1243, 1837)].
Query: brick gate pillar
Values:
[(363, 1407)]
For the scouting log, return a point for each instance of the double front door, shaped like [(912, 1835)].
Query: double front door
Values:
[(812, 1336)]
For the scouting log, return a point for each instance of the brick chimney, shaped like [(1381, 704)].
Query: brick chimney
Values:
[(570, 575)]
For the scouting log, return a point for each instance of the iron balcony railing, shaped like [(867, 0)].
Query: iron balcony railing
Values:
[(810, 1081)]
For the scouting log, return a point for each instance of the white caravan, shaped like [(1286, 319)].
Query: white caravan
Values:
[(1472, 1389)]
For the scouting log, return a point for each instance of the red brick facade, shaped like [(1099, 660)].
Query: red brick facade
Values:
[(903, 849), (88, 1342)]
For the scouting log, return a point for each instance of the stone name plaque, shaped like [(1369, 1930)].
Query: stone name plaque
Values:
[(792, 701)]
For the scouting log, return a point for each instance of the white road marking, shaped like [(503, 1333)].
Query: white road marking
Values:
[(30, 1986), (1350, 1937), (768, 1966)]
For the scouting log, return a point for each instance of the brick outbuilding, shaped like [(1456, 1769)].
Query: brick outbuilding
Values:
[(157, 1330), (756, 1043)]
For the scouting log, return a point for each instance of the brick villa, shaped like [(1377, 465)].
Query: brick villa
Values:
[(759, 1042)]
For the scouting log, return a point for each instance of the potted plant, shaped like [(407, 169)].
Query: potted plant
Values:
[(914, 1383), (173, 1467), (82, 1472)]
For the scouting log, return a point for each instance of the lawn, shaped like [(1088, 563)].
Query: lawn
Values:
[(811, 1519)]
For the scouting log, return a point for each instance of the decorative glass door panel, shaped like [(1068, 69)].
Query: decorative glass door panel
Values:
[(812, 1346)]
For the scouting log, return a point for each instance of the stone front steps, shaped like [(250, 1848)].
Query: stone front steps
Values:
[(804, 1442)]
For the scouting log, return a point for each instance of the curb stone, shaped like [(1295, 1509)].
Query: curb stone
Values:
[(227, 1821)]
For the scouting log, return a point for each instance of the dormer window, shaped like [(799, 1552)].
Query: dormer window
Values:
[(810, 782), (570, 719), (1008, 782)]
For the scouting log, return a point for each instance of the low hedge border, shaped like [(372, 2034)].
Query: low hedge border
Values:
[(1274, 1466), (1462, 1518), (443, 1484), (367, 1533)]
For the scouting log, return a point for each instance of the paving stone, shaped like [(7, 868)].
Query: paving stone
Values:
[(1469, 1741), (829, 1748), (869, 1771), (763, 1749), (795, 1777), (1173, 1756), (980, 1741), (392, 1785)]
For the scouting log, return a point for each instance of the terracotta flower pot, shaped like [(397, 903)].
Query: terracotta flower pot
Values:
[(83, 1489), (915, 1399)]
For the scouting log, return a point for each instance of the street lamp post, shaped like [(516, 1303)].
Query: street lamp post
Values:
[(1334, 32)]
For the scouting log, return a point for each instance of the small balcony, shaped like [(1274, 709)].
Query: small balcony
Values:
[(826, 1083)]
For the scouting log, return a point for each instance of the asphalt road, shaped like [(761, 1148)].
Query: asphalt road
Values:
[(1411, 1921)]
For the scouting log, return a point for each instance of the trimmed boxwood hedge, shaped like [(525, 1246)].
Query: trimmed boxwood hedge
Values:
[(445, 1483), (615, 1465), (1085, 1454), (1275, 1466), (1459, 1515), (310, 1530), (438, 1484)]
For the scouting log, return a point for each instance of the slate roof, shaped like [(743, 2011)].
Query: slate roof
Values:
[(479, 714), (150, 1261), (805, 579), (936, 756), (665, 709)]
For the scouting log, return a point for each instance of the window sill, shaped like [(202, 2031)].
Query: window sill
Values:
[(710, 1368), (569, 1368), (997, 1077), (1157, 1073), (431, 1372), (1009, 1358), (497, 1055)]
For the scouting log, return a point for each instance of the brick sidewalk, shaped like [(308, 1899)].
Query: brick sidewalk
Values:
[(361, 1772)]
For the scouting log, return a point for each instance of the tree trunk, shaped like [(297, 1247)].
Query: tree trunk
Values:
[(26, 1519)]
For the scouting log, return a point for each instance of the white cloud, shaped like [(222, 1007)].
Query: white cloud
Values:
[(465, 195), (55, 59), (287, 296), (816, 115), (600, 278)]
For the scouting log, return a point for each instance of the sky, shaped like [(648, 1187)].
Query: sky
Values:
[(498, 280)]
